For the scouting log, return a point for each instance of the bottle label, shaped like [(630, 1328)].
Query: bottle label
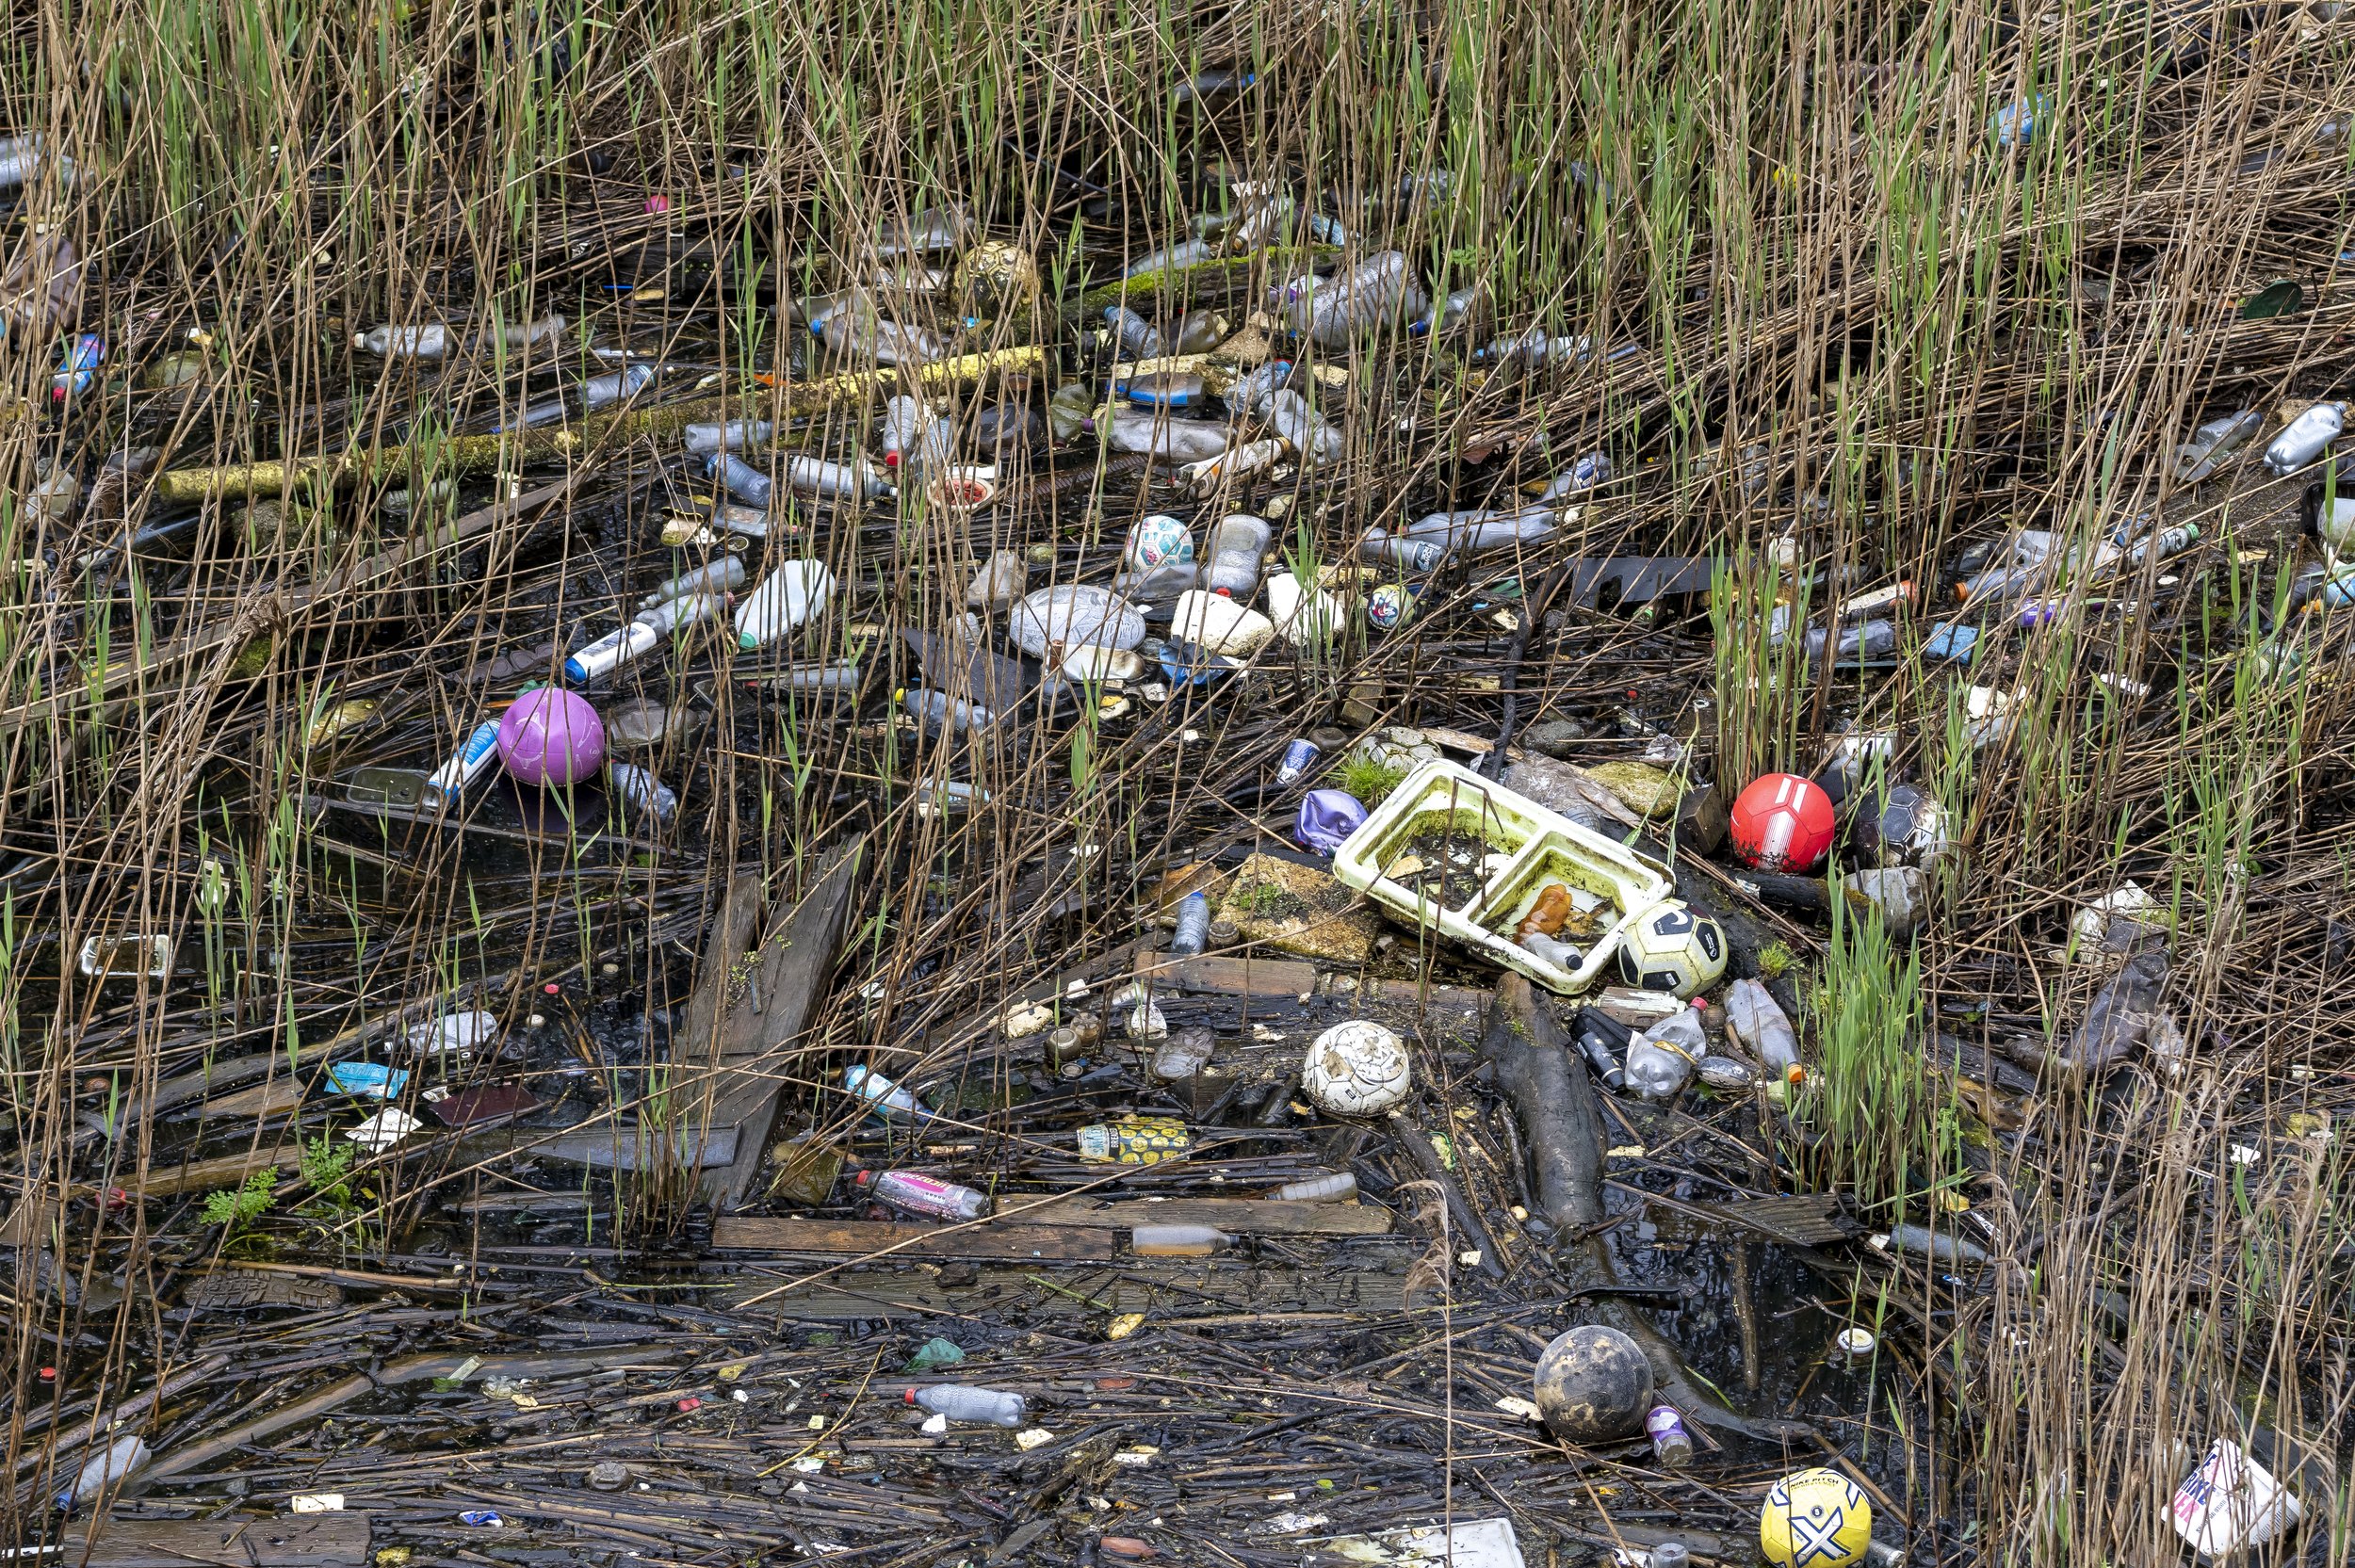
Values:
[(1664, 1423)]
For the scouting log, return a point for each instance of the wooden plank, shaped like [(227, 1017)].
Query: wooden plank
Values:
[(1164, 1291), (228, 1171), (770, 999), (291, 1541), (750, 1233), (1288, 980), (1234, 1216), (274, 1098)]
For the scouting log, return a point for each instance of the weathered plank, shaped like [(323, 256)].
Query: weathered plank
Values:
[(857, 1238), (1287, 980), (293, 1541), (1209, 1288), (1234, 1216), (769, 998)]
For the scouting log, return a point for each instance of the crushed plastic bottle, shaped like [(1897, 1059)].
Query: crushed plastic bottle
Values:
[(2122, 1015), (1661, 1060), (978, 1406), (2215, 443), (737, 435), (642, 791), (405, 342), (1303, 429), (1133, 334), (1152, 433), (1350, 308), (2306, 436)]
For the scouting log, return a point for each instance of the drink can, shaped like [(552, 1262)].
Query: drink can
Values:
[(1299, 757)]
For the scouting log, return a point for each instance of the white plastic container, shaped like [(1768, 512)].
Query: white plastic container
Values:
[(2231, 1503), (1529, 847), (793, 593)]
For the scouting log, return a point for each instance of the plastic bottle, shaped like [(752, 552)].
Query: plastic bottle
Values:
[(1185, 252), (2167, 541), (122, 1456), (642, 791), (474, 758), (1070, 411), (1151, 432), (1236, 463), (1873, 639), (2122, 1015), (856, 330), (1759, 1022), (639, 634), (1660, 1060), (1254, 390), (1178, 1240), (793, 593), (938, 713), (739, 479), (1592, 469), (1193, 925), (1304, 429), (1197, 333), (1237, 547), (2306, 436), (405, 342), (1546, 915), (1535, 348), (883, 1097), (1428, 541), (1334, 315), (1459, 309), (904, 419), (2212, 443), (1339, 1188), (1670, 1443), (1136, 337), (724, 575), (981, 1406), (914, 1192), (734, 436), (1561, 954)]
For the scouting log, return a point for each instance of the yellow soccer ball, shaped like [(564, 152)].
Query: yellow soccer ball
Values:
[(1814, 1519)]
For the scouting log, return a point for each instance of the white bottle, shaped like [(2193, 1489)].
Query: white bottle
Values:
[(990, 1405), (405, 342), (2306, 436), (125, 1455), (640, 636), (1660, 1060), (793, 593), (474, 758)]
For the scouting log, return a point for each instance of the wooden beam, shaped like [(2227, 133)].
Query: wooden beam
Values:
[(749, 1232), (1234, 1216), (292, 1540)]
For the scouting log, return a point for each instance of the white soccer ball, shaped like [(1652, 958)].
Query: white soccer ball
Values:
[(1356, 1069), (1672, 947)]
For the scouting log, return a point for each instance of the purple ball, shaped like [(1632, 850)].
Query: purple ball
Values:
[(551, 737)]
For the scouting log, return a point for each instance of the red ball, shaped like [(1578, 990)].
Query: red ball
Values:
[(1782, 822)]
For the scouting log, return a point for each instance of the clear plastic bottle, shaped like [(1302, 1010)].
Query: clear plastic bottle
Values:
[(1670, 1443), (1336, 314), (1339, 1188), (1759, 1022), (904, 418), (1178, 1240), (739, 479), (2214, 442), (724, 575), (1193, 925), (1253, 391), (2121, 1016), (1151, 432), (1290, 417), (405, 342), (644, 792), (2306, 436), (1660, 1060), (882, 1096), (857, 330), (735, 436), (1137, 338), (914, 1192), (1237, 548), (122, 1456)]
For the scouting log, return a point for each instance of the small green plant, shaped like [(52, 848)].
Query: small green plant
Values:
[(234, 1208), (1367, 778), (327, 1172), (1776, 959)]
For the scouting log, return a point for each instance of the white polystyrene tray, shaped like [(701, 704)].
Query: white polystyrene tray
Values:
[(1543, 846)]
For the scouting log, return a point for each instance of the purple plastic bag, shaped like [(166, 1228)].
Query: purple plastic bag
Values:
[(1326, 818)]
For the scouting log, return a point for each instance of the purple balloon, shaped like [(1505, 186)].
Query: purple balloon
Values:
[(551, 737), (1326, 818)]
